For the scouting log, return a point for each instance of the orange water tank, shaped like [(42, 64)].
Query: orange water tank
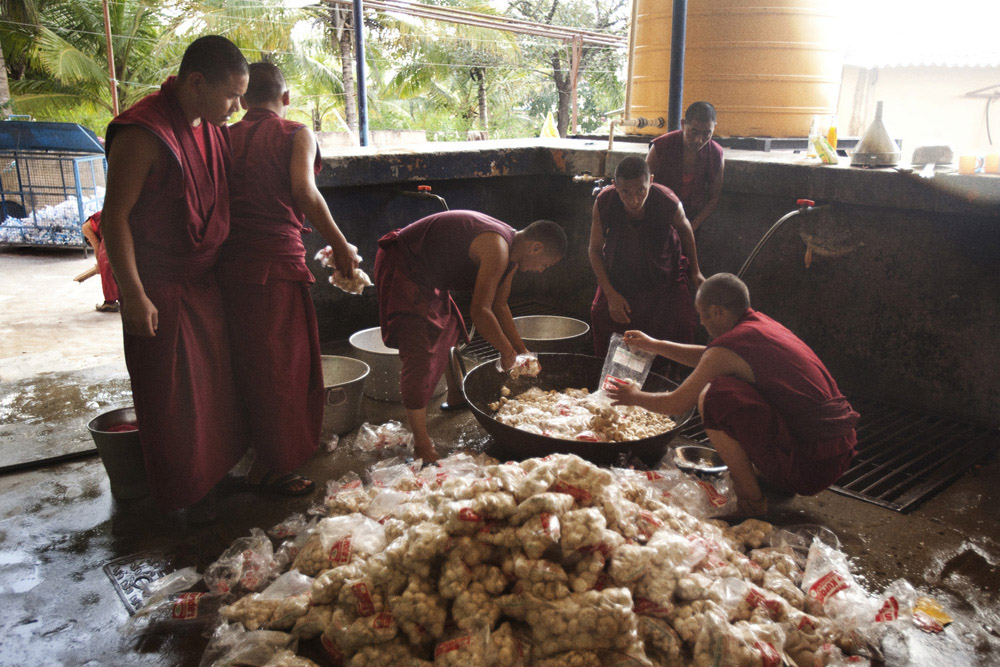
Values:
[(768, 66)]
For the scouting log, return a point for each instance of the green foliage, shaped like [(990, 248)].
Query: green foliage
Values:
[(440, 77)]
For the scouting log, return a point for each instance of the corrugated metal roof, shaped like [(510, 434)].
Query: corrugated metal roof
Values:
[(41, 136)]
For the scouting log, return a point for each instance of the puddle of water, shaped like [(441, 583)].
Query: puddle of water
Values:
[(54, 397), (18, 574)]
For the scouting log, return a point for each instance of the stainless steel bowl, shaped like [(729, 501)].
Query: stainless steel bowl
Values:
[(344, 381), (552, 333), (699, 460), (383, 382)]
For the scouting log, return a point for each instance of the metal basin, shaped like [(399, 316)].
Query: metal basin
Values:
[(699, 460), (552, 333), (344, 381), (383, 382), (481, 386)]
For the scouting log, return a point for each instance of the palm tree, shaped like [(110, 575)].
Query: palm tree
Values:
[(20, 22)]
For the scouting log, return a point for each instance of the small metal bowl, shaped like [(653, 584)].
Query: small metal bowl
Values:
[(699, 460)]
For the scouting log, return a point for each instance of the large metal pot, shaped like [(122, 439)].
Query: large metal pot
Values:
[(481, 386), (344, 381), (552, 333), (383, 383)]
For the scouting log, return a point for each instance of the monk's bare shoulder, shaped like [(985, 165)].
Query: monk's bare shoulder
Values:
[(720, 360), (138, 150), (489, 248)]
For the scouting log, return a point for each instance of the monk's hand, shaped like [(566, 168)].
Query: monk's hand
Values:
[(139, 316), (508, 359), (638, 341), (346, 259), (618, 308), (622, 392)]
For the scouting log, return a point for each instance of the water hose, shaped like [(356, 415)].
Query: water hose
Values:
[(804, 205)]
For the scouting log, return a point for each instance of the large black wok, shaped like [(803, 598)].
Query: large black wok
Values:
[(481, 386)]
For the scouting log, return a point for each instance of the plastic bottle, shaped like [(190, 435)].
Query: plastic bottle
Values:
[(813, 133), (831, 134)]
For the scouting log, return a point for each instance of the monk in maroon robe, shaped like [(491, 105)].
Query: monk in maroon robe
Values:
[(643, 253), (165, 217), (265, 282), (688, 162), (92, 232), (766, 400), (455, 250)]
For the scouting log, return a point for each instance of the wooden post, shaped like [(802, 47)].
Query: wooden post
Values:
[(577, 44), (111, 60)]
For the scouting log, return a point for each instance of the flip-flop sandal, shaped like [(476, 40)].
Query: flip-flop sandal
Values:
[(234, 483), (286, 485)]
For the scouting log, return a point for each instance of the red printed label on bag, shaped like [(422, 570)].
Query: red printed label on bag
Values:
[(827, 586), (253, 572), (452, 645), (383, 621), (546, 520), (652, 475), (806, 624), (888, 612), (466, 514), (366, 607), (769, 656), (331, 650), (578, 494), (926, 623), (356, 484), (186, 606), (340, 552), (646, 607), (715, 499), (757, 599), (602, 581)]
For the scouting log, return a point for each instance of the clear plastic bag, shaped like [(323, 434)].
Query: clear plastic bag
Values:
[(625, 365), (588, 621), (177, 614), (376, 438), (246, 565), (335, 541), (232, 644), (351, 284), (525, 366), (171, 584)]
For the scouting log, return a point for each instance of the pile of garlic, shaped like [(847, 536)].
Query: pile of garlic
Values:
[(576, 414), (546, 562)]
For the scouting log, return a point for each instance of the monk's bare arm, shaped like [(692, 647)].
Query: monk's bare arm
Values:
[(490, 252), (134, 155), (618, 306), (682, 353), (651, 160), (714, 196), (309, 200), (686, 234), (714, 362), (502, 312)]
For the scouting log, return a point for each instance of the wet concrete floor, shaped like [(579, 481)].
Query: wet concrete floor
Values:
[(59, 524)]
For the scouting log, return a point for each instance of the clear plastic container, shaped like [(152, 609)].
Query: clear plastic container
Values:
[(624, 364)]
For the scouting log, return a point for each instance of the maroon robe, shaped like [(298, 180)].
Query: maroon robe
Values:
[(793, 422), (108, 284), (645, 264), (265, 286), (414, 269), (668, 170), (182, 381)]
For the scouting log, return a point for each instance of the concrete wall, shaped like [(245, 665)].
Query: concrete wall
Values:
[(923, 105), (900, 300)]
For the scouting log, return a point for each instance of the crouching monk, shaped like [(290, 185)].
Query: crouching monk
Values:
[(455, 250), (765, 398)]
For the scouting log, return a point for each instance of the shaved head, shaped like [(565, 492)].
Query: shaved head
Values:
[(726, 291), (267, 84)]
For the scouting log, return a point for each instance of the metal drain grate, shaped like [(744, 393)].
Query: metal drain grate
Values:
[(480, 349), (904, 457)]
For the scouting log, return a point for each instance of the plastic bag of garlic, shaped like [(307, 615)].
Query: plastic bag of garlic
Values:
[(555, 562)]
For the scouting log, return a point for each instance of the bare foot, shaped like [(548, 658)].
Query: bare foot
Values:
[(427, 455), (750, 509)]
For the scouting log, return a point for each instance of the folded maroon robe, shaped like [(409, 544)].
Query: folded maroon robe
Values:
[(108, 284)]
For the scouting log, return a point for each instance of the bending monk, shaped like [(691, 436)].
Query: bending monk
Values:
[(688, 162), (265, 282), (165, 217), (643, 253), (455, 250), (765, 398), (92, 232)]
